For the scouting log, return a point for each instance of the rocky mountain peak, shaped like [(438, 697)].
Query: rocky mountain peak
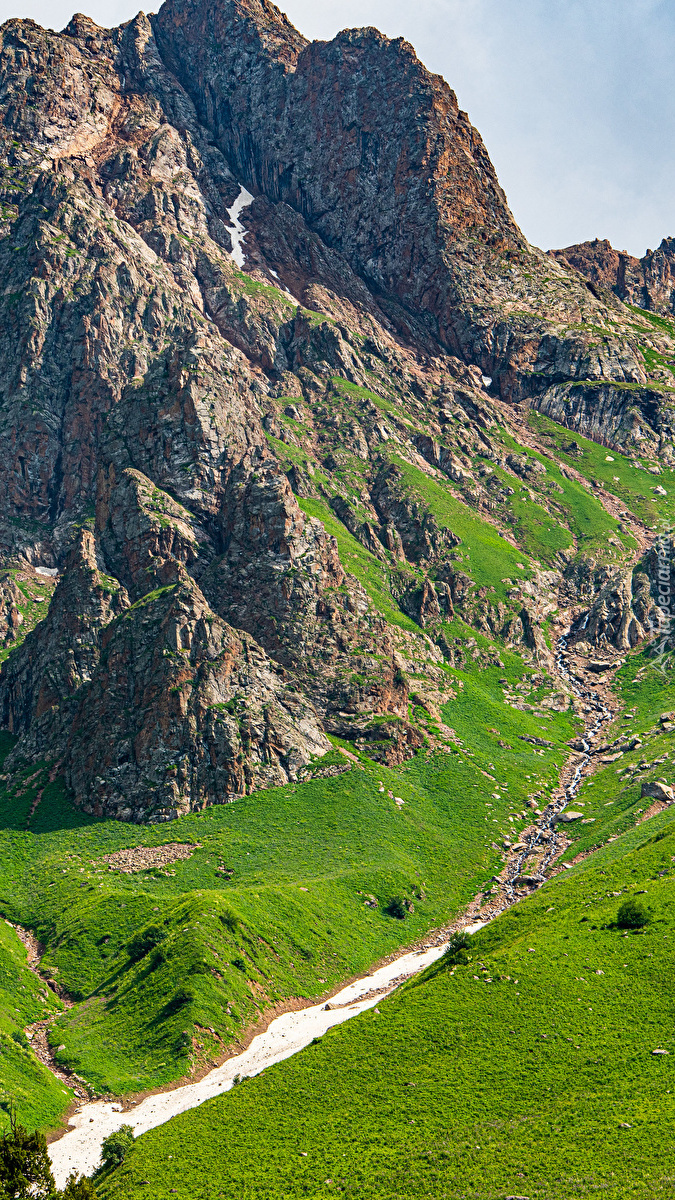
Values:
[(394, 175), (269, 335)]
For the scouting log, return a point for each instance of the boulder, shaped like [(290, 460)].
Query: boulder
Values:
[(658, 789)]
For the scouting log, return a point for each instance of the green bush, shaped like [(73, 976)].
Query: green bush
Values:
[(78, 1188), (230, 920), (397, 908), (26, 1172), (632, 915), (182, 997), (457, 947), (116, 1146), (144, 941), (200, 968), (25, 1169), (159, 957)]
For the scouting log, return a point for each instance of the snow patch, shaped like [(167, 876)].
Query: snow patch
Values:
[(46, 571), (236, 229), (80, 1148)]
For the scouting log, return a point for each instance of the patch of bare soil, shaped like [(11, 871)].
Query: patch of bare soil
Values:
[(37, 1032), (657, 807)]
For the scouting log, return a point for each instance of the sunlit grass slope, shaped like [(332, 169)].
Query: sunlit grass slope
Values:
[(273, 900), (529, 1070)]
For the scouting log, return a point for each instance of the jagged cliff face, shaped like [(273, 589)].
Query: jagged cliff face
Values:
[(248, 279), (647, 282)]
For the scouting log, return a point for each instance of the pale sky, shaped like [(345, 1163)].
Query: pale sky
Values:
[(574, 98)]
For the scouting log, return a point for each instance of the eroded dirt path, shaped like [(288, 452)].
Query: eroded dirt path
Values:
[(37, 1031)]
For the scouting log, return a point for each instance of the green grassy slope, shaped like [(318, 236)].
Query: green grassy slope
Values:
[(545, 512), (39, 1097), (355, 558), (570, 505), (489, 556), (527, 1071), (273, 900), (627, 478)]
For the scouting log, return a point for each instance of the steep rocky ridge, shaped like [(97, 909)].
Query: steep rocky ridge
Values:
[(407, 193), (647, 282), (274, 454)]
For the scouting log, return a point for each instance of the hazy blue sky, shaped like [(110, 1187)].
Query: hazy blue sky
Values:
[(574, 98)]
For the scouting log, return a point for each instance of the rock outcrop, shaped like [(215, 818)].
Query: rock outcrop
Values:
[(631, 605), (154, 708), (658, 789), (39, 681), (647, 282), (11, 618), (184, 711), (620, 613)]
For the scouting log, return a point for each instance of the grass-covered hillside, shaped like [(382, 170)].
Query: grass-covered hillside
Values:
[(283, 893), (24, 1000), (527, 1070), (288, 892), (630, 479), (167, 964)]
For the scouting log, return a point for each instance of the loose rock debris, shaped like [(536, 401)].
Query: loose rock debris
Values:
[(143, 858)]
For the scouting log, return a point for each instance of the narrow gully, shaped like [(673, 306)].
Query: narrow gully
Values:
[(553, 811)]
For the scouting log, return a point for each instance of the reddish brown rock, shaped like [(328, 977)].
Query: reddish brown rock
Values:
[(647, 282), (11, 619), (148, 539), (183, 711), (38, 682)]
